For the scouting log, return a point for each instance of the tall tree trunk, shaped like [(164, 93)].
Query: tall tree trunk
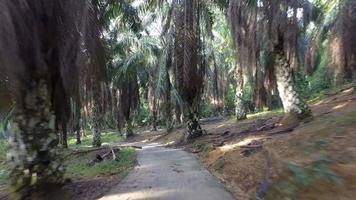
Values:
[(178, 114), (154, 114), (35, 164), (152, 97), (167, 102), (64, 135), (291, 101), (260, 93), (240, 107), (217, 100), (116, 112), (129, 131), (77, 115), (96, 118), (194, 128)]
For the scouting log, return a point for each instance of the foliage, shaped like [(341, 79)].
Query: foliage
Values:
[(107, 137), (4, 167), (143, 117)]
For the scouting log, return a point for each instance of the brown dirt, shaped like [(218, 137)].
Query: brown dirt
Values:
[(90, 189), (315, 160)]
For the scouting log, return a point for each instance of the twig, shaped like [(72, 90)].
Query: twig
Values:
[(251, 146), (262, 191), (113, 154)]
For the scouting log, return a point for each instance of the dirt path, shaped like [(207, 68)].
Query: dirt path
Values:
[(170, 174)]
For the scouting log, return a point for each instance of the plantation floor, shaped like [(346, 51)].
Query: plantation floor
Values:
[(315, 160), (85, 182), (168, 174)]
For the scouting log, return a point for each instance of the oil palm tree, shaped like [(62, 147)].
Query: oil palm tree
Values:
[(279, 24), (40, 44), (189, 72)]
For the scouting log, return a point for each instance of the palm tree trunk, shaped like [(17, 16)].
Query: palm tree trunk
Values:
[(240, 107), (167, 101), (194, 128), (291, 101), (154, 114), (77, 124), (178, 114), (64, 135), (216, 94), (129, 131), (35, 163), (96, 119)]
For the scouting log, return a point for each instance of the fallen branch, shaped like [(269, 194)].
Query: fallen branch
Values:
[(113, 154), (266, 127), (99, 158), (262, 191), (251, 146), (281, 131), (135, 147), (87, 151)]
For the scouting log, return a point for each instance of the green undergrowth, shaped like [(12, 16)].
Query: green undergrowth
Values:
[(320, 95), (4, 167), (203, 148), (106, 138), (77, 166), (266, 114)]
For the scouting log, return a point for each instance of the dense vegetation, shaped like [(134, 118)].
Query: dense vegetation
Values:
[(77, 66)]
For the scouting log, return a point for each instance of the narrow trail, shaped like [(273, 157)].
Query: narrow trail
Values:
[(168, 174)]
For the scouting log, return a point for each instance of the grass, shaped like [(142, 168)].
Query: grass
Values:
[(265, 114), (4, 167), (106, 138), (77, 167), (333, 90)]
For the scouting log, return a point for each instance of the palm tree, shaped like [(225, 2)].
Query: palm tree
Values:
[(240, 29), (135, 55), (40, 43), (190, 73), (343, 42), (279, 24)]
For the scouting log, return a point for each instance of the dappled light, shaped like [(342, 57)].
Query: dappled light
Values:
[(141, 195), (177, 99), (244, 142), (340, 106)]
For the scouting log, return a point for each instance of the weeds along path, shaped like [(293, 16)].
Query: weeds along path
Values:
[(168, 174)]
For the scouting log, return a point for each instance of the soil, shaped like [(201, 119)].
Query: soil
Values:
[(314, 160)]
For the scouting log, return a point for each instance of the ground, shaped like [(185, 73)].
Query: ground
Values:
[(315, 160), (167, 173), (84, 182)]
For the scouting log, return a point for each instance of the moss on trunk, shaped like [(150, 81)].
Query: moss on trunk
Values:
[(194, 128), (292, 103), (35, 164)]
